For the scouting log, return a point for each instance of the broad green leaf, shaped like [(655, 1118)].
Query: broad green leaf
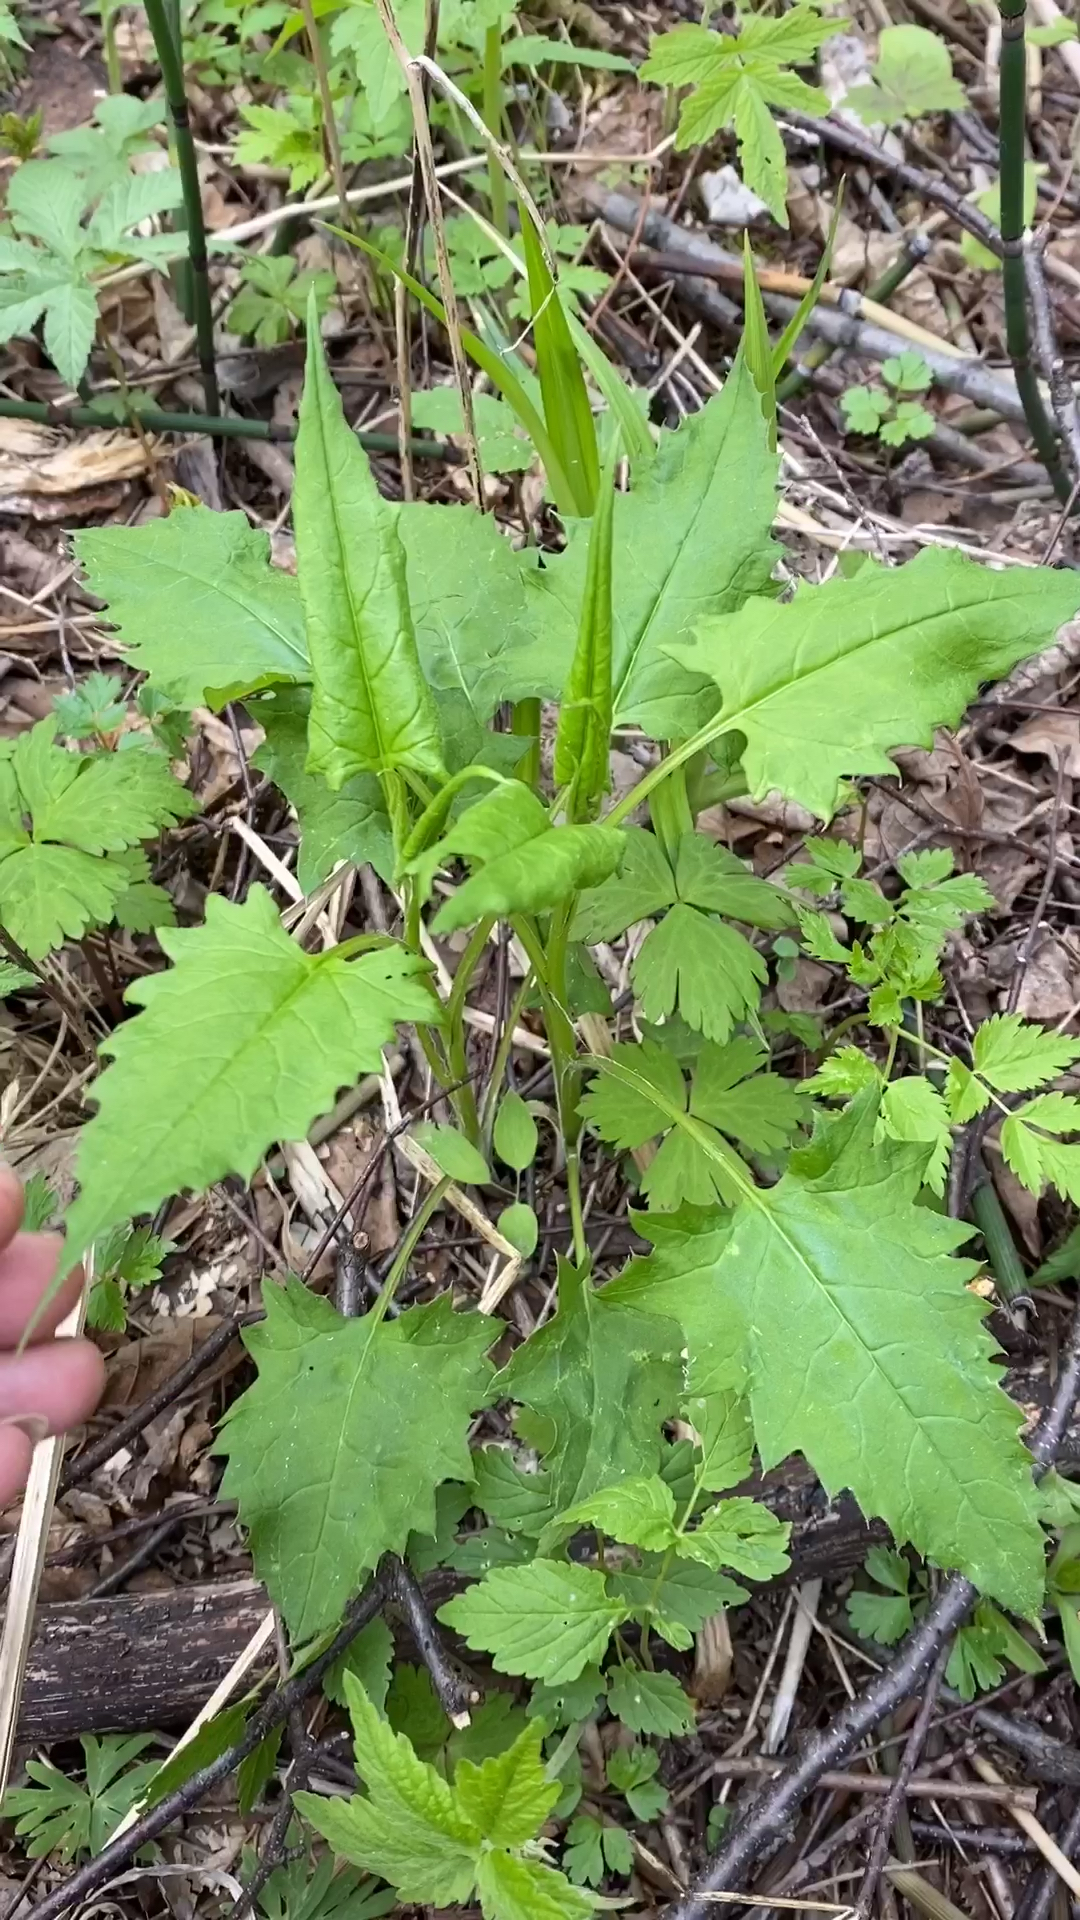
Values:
[(823, 685), (583, 738), (52, 894), (371, 708), (538, 50), (326, 1458), (519, 1224), (605, 1377), (521, 1502), (46, 199), (642, 887), (502, 448), (117, 800), (836, 1291), (370, 1660), (843, 1074), (547, 1620), (880, 1616), (525, 864), (650, 1702), (515, 1136), (668, 569), (721, 1421), (470, 608), (452, 1153), (741, 1534), (509, 1796), (637, 1512), (198, 605), (242, 1042), (352, 824), (408, 1829), (1014, 1054), (913, 75), (702, 967), (911, 1109), (1033, 1157), (511, 1888)]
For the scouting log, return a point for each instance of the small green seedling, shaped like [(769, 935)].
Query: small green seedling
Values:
[(272, 302), (887, 416)]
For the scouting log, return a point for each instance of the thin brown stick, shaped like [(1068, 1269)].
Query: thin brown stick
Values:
[(901, 1784)]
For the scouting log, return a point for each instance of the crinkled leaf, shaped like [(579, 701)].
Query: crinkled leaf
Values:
[(117, 800), (675, 1596), (371, 707), (242, 1042), (508, 1797), (711, 877), (823, 685), (638, 1512), (741, 1534), (524, 864), (1015, 1054), (913, 75), (650, 1702), (326, 1459)]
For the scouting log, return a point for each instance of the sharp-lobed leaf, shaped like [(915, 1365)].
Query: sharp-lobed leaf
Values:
[(243, 1042), (822, 686), (326, 1458)]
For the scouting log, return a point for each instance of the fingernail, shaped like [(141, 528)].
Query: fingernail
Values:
[(34, 1425)]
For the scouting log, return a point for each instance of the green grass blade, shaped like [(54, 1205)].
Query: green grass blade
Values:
[(566, 398), (756, 346), (787, 340)]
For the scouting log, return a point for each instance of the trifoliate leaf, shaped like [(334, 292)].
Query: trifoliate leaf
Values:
[(638, 1512), (409, 1829), (1033, 1157), (143, 906), (912, 75), (650, 1702), (605, 1375), (643, 886), (243, 1042), (822, 686), (854, 1323), (333, 1410), (911, 1109), (701, 966), (1015, 1054), (515, 1137), (52, 894), (665, 571), (351, 824), (452, 1153), (502, 448), (548, 1620), (863, 408), (741, 1534), (371, 707), (197, 604), (512, 1888), (710, 877), (524, 864), (509, 1796)]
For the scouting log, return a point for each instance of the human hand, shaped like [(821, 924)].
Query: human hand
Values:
[(53, 1384)]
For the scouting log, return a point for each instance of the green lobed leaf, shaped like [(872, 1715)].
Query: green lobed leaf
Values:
[(822, 686), (515, 1889), (197, 604), (1015, 1055), (913, 75), (702, 967), (638, 1512), (911, 1109), (326, 1459), (371, 708), (49, 894), (242, 1042), (643, 885), (508, 1797), (667, 569), (650, 1702)]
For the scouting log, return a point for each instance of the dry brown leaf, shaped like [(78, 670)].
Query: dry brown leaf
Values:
[(42, 461), (1049, 988), (1056, 735), (140, 1366)]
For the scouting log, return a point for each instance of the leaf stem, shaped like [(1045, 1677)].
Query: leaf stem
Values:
[(170, 61), (430, 1204), (503, 1051), (492, 79), (465, 1098)]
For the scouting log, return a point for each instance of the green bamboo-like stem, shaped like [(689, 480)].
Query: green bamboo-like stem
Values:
[(108, 41), (1012, 136), (1005, 1264), (224, 426), (172, 75)]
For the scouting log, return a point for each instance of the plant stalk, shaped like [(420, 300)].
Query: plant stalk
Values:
[(1013, 141), (492, 81), (224, 426), (171, 63)]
